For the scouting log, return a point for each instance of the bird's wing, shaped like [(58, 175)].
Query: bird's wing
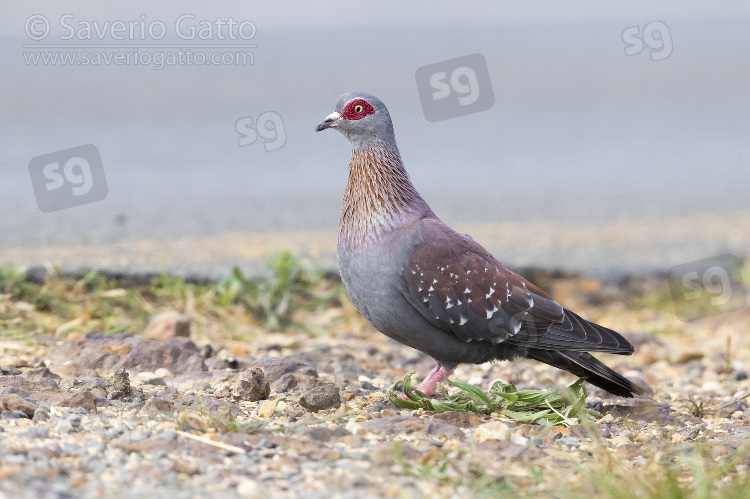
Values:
[(458, 286)]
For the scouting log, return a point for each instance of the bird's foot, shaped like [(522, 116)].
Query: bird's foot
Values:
[(429, 385)]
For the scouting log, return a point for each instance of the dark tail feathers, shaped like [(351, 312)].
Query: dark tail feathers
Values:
[(583, 364)]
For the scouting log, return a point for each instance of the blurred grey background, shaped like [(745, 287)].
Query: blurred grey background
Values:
[(588, 160)]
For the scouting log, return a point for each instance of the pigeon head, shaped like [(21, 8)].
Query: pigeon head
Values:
[(362, 118)]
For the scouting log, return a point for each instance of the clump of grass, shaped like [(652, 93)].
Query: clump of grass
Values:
[(696, 408), (553, 407), (273, 300)]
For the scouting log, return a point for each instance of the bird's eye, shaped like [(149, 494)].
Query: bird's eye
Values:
[(359, 108)]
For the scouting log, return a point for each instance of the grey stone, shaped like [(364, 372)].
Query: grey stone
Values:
[(295, 382), (276, 367), (321, 397), (40, 414), (8, 414)]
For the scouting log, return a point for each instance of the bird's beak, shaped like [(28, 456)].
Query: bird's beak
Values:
[(328, 122)]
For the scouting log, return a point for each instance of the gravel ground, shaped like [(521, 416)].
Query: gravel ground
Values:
[(290, 415)]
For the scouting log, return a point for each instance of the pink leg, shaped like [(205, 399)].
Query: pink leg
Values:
[(437, 375)]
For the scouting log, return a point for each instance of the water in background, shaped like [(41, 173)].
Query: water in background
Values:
[(579, 133)]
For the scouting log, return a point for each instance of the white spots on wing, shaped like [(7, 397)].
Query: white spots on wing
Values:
[(491, 312), (413, 271), (485, 269), (421, 274), (468, 301), (425, 299), (468, 272), (459, 302), (462, 320), (467, 291), (492, 290), (420, 288), (431, 289), (450, 320), (524, 284), (442, 269), (434, 281)]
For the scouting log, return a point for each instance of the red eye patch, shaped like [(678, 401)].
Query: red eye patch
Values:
[(357, 109)]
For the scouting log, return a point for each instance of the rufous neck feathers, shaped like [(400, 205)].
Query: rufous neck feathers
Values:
[(379, 195)]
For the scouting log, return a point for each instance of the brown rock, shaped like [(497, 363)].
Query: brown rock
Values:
[(251, 384), (37, 373), (157, 406), (109, 352), (640, 410), (168, 325), (438, 429), (80, 399), (13, 402)]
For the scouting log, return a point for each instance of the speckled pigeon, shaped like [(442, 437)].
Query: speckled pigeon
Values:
[(425, 285)]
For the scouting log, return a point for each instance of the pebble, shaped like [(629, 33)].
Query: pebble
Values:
[(494, 430), (267, 408), (149, 378)]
